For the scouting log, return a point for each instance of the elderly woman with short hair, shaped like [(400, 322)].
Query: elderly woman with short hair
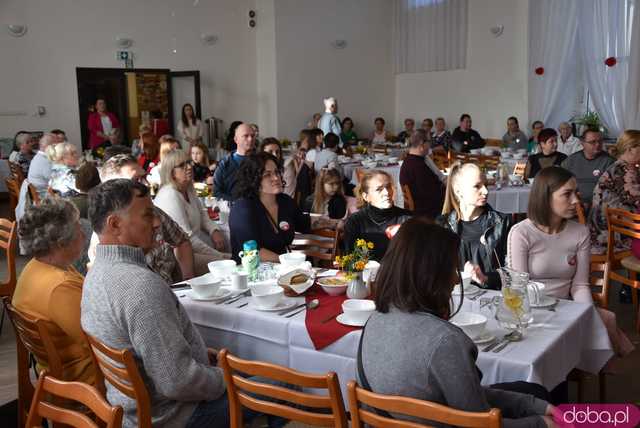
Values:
[(49, 288), (24, 154), (64, 158), (178, 199)]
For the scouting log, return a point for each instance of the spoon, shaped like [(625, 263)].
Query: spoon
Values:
[(311, 305), (514, 336)]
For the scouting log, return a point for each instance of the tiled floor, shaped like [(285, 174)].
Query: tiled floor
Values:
[(621, 388)]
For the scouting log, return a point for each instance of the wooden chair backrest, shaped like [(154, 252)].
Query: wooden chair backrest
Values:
[(379, 149), (13, 188), (360, 172), (409, 203), (441, 159), (582, 219), (16, 172), (412, 407), (623, 222), (520, 168), (599, 277), (119, 369), (322, 250), (9, 243), (492, 142), (33, 193), (465, 158), (490, 162), (76, 391), (32, 337), (242, 391)]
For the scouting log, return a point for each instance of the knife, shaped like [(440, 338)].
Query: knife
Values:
[(494, 344), (501, 347), (286, 311)]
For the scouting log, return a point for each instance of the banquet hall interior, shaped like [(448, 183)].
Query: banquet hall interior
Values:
[(318, 213)]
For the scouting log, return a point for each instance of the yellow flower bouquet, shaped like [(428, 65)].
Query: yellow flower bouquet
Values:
[(356, 260)]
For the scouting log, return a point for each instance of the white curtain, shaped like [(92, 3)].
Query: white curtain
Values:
[(429, 35), (605, 31), (632, 116), (552, 45)]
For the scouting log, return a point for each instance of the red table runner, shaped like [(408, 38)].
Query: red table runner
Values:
[(323, 335)]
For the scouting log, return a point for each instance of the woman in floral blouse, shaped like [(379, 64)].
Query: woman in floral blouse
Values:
[(618, 187)]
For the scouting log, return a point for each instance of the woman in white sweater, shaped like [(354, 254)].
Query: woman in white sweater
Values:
[(178, 199)]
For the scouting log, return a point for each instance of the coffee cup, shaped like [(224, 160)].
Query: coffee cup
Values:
[(239, 280)]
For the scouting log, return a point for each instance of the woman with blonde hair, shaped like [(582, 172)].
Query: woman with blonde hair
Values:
[(618, 187), (150, 149), (178, 199), (482, 230), (64, 159), (378, 219)]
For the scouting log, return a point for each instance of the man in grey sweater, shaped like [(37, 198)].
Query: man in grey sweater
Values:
[(588, 164), (126, 306)]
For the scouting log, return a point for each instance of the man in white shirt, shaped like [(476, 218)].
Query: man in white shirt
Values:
[(328, 158), (567, 143)]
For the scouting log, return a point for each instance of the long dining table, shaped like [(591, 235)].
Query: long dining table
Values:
[(571, 336)]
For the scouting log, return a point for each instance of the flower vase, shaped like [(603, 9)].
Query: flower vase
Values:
[(357, 289)]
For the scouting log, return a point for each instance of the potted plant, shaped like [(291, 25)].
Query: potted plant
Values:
[(589, 120)]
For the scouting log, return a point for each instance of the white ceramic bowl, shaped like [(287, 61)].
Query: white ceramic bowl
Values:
[(205, 286), (292, 259), (358, 310), (466, 281), (393, 159), (515, 178), (333, 286), (222, 268), (267, 296), (471, 323)]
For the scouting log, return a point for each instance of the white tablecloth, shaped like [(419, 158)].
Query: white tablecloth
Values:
[(394, 171), (510, 200), (572, 336)]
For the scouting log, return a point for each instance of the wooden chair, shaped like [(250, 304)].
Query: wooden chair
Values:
[(321, 245), (626, 224), (379, 149), (409, 203), (582, 219), (16, 173), (520, 168), (33, 194), (8, 242), (360, 172), (411, 407), (76, 391), (119, 369), (13, 188), (32, 336), (242, 391)]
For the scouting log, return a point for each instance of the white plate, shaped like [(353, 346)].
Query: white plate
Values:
[(473, 289), (285, 303), (342, 319), (488, 337), (544, 302), (222, 293)]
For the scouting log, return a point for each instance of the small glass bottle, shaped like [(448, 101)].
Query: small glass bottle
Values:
[(250, 259)]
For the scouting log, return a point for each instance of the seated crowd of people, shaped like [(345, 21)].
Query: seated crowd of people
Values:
[(133, 246)]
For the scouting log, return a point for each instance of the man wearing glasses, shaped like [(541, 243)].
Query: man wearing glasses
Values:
[(588, 164)]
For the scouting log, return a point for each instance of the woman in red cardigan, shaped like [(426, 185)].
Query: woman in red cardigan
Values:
[(104, 126)]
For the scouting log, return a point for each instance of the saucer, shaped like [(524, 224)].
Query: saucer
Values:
[(221, 294), (544, 302), (343, 319), (488, 337), (283, 304), (470, 291)]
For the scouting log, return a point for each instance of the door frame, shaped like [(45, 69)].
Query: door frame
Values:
[(196, 81)]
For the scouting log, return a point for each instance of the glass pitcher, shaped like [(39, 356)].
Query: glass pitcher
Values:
[(513, 310)]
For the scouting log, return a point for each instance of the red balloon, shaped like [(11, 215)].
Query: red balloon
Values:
[(611, 61), (540, 71)]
